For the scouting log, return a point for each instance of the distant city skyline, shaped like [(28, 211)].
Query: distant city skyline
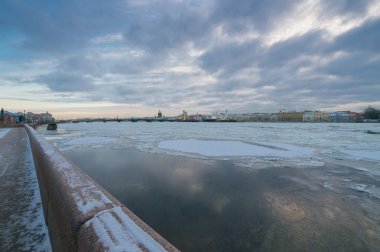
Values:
[(92, 59)]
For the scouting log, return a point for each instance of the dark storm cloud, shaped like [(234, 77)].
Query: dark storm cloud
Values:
[(354, 76), (138, 93), (356, 72), (230, 57), (262, 14), (97, 65), (167, 27), (363, 67), (363, 38), (286, 51), (156, 35), (66, 82), (58, 26)]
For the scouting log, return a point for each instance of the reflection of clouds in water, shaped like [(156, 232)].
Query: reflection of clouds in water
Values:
[(220, 203), (185, 175), (182, 173), (303, 182), (190, 179), (195, 188), (285, 208)]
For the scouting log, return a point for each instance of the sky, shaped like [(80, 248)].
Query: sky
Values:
[(95, 58)]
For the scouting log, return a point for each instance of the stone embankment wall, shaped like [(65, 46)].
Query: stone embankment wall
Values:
[(80, 214)]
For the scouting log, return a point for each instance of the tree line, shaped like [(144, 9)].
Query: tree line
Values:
[(371, 113)]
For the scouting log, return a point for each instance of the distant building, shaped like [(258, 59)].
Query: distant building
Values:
[(332, 117), (10, 118), (290, 116), (195, 118), (261, 117), (220, 116), (183, 116), (321, 116), (273, 117), (340, 116), (45, 117), (343, 116), (308, 116), (206, 117), (254, 117), (356, 117), (159, 115), (39, 118), (315, 116)]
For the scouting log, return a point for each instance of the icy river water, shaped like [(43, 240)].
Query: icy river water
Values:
[(239, 186)]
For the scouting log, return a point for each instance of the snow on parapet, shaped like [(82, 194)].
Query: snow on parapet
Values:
[(82, 214), (117, 232), (88, 198)]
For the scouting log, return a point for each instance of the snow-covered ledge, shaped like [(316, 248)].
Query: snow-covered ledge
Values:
[(80, 214)]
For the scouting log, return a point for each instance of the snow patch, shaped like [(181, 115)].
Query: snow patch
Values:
[(37, 221), (3, 132), (88, 199), (234, 148)]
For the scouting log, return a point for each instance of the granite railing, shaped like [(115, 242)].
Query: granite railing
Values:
[(80, 214)]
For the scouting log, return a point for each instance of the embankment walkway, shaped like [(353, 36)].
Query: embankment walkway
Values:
[(80, 214), (22, 225)]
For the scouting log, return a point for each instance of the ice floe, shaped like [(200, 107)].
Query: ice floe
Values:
[(234, 148), (364, 154), (370, 190), (260, 140), (89, 141)]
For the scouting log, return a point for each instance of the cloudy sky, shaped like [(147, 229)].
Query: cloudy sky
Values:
[(79, 58)]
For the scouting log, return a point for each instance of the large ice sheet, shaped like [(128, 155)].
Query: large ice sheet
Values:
[(234, 148), (340, 141)]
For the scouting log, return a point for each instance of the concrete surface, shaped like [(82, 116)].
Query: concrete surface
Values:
[(22, 226), (80, 214)]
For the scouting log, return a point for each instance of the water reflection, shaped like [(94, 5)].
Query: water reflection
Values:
[(213, 205)]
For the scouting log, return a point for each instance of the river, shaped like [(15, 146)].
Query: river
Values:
[(238, 186)]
